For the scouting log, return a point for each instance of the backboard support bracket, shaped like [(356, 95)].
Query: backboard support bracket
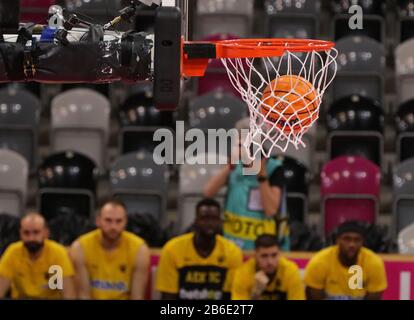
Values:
[(167, 63)]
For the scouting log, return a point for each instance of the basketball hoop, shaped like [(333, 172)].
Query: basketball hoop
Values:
[(293, 74)]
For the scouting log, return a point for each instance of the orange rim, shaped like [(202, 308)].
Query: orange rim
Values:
[(260, 48), (196, 55)]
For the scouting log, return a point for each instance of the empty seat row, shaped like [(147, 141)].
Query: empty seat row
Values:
[(68, 181), (284, 18), (350, 187)]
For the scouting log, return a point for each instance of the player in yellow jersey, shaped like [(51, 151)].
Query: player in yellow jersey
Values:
[(35, 267), (199, 265), (268, 275), (346, 271), (111, 263)]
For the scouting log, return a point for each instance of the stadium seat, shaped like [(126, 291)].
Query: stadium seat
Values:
[(219, 112), (403, 195), (80, 122), (14, 170), (355, 125), (213, 80), (296, 178), (350, 188), (405, 20), (141, 183), (404, 71), (119, 92), (139, 120), (96, 11), (304, 155), (35, 11), (373, 23), (404, 120), (361, 65), (192, 180), (374, 28), (216, 110), (9, 231), (292, 19), (67, 185), (369, 7), (217, 16), (19, 123), (216, 75), (406, 240)]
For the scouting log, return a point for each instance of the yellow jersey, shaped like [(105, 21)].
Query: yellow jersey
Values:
[(285, 285), (325, 272), (30, 278), (182, 271), (110, 272)]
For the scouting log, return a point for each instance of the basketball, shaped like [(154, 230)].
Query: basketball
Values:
[(290, 102)]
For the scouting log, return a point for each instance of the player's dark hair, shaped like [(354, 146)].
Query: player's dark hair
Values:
[(208, 202), (266, 241), (351, 226)]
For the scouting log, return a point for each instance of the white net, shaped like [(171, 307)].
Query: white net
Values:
[(283, 95)]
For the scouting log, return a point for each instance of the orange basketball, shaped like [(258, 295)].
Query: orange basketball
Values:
[(291, 103)]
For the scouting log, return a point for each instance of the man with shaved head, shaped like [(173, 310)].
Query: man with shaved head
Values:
[(35, 267), (111, 263)]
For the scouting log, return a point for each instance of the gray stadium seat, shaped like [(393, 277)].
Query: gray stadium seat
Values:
[(406, 240), (292, 19), (361, 64), (216, 110), (218, 16), (405, 71), (19, 122), (311, 7), (403, 195), (193, 178), (374, 27), (80, 122), (13, 182), (302, 154), (141, 183)]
